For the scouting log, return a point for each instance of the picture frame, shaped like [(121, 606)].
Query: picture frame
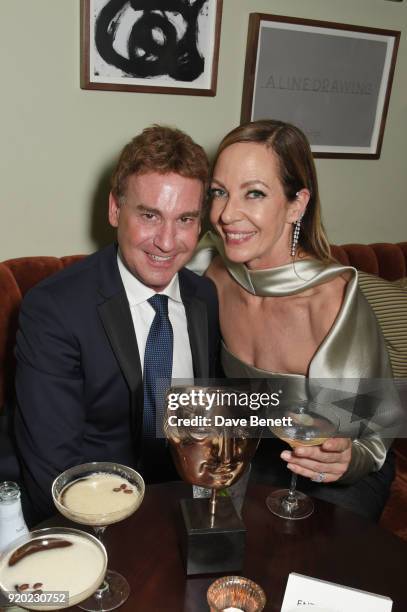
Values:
[(151, 46), (332, 80)]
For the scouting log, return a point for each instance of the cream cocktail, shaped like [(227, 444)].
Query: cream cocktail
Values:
[(56, 559), (99, 494), (98, 499)]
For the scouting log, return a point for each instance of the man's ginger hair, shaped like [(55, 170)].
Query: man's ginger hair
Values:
[(160, 149)]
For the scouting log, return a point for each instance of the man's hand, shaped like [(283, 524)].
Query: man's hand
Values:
[(331, 460)]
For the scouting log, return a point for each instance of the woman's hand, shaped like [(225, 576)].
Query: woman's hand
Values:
[(325, 463)]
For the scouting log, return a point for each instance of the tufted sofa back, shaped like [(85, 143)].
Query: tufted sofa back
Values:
[(17, 276), (383, 259)]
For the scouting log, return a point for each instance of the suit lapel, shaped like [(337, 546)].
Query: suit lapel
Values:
[(118, 325), (197, 321), (117, 321)]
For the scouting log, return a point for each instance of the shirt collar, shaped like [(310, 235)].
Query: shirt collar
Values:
[(137, 292)]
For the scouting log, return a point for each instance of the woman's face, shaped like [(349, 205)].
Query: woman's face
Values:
[(249, 208)]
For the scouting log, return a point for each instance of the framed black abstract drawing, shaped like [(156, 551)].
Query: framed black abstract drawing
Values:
[(152, 46), (332, 80)]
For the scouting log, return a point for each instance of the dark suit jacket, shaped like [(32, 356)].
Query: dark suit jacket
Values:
[(79, 384)]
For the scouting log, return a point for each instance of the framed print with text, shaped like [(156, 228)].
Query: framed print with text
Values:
[(331, 80), (153, 46)]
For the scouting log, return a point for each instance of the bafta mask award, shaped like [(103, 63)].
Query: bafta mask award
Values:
[(211, 444)]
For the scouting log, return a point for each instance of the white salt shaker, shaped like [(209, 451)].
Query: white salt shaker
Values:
[(12, 523)]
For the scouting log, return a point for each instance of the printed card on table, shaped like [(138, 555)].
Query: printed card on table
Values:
[(304, 593)]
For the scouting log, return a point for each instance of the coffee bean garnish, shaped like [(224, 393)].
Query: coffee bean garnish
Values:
[(124, 488), (25, 586)]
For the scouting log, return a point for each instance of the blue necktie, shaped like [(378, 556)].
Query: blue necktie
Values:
[(157, 366)]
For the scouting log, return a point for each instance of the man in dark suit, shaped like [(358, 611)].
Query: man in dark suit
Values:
[(94, 334)]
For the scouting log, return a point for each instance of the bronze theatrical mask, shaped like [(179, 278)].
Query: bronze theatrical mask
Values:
[(211, 444), (211, 459), (206, 454)]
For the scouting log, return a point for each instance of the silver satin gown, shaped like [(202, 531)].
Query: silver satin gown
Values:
[(353, 349)]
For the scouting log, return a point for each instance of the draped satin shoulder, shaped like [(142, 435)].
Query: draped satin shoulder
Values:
[(354, 348)]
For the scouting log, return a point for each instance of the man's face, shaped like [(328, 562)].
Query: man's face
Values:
[(158, 225)]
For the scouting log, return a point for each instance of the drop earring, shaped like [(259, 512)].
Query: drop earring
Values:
[(296, 234)]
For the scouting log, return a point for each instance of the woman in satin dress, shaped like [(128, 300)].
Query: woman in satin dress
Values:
[(286, 307)]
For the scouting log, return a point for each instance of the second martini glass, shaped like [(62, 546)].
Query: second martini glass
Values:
[(99, 494), (42, 566), (309, 424)]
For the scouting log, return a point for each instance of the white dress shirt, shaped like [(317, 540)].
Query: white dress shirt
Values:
[(143, 315)]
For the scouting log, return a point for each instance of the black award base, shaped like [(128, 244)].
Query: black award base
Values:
[(211, 545)]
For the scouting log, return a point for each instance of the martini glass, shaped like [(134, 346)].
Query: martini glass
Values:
[(70, 561), (100, 494), (307, 424)]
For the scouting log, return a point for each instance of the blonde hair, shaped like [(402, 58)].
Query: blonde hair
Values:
[(297, 171)]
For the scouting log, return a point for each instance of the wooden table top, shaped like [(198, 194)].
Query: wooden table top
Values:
[(332, 544)]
